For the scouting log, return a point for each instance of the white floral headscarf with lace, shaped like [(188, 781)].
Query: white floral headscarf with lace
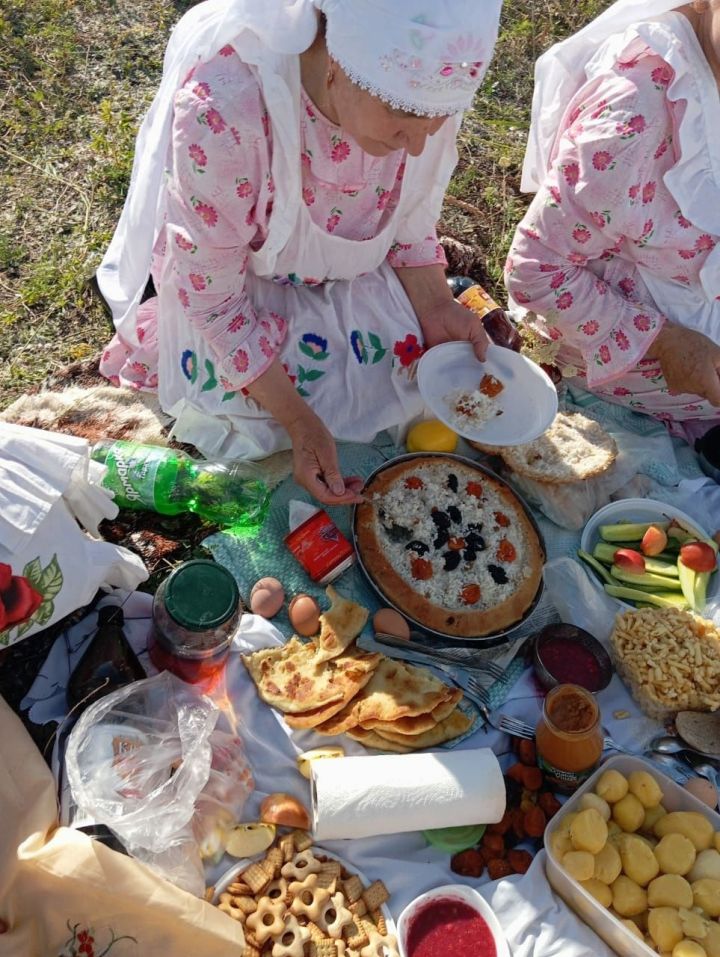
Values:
[(424, 56)]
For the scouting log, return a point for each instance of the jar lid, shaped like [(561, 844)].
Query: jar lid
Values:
[(200, 595)]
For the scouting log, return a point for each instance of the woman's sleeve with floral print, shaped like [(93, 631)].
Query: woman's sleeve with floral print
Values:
[(597, 198), (421, 251), (221, 186)]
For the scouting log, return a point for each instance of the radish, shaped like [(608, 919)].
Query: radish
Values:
[(653, 541)]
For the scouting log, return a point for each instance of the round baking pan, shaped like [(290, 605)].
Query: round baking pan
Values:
[(492, 639)]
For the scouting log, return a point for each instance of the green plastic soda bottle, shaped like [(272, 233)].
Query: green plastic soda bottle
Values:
[(152, 478)]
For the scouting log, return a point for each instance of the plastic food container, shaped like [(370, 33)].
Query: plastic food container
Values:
[(455, 892), (195, 615), (637, 510), (594, 914)]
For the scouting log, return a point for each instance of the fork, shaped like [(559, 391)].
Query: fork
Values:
[(460, 658), (520, 729)]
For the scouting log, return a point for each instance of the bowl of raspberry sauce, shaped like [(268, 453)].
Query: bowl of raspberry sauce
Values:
[(450, 921), (566, 654)]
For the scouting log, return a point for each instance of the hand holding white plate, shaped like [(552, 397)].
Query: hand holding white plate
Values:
[(521, 412)]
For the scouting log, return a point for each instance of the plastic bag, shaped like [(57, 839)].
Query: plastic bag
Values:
[(148, 762), (578, 601)]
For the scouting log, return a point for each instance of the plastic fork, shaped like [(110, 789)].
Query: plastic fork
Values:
[(520, 729)]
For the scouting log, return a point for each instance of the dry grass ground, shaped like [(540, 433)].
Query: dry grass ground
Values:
[(75, 78)]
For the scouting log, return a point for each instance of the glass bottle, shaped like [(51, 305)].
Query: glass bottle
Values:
[(569, 737)]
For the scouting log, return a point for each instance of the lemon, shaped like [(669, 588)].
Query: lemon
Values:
[(431, 436)]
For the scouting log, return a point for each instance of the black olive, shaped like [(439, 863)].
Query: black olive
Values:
[(452, 482), (397, 533), (420, 548), (469, 554), (441, 519), (443, 537), (455, 514), (475, 527), (498, 574), (452, 560)]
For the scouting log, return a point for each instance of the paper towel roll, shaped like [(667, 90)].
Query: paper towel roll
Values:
[(389, 794)]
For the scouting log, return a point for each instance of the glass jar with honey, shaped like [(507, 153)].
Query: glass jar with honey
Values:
[(569, 737)]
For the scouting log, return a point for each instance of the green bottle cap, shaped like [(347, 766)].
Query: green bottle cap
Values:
[(200, 595), (455, 839)]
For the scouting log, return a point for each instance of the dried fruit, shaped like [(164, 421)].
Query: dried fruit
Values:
[(505, 551), (502, 520), (475, 489), (549, 804), (520, 861), (534, 822), (470, 594), (421, 569), (516, 772), (526, 752), (503, 825), (532, 778), (498, 868), (414, 482), (494, 843), (469, 863)]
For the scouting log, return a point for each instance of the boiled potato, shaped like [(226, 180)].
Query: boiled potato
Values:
[(638, 859), (652, 814), (693, 924), (612, 786), (579, 865), (670, 890), (711, 941), (588, 831), (589, 799), (560, 843), (632, 927), (665, 927), (706, 865), (645, 788), (706, 894), (614, 831), (628, 813), (716, 840), (629, 898), (692, 824), (676, 854), (601, 892), (688, 948), (608, 864)]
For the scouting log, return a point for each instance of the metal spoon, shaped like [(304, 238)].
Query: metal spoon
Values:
[(667, 744), (702, 767), (677, 770)]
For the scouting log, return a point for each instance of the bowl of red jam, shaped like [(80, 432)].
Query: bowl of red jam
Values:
[(450, 921), (566, 654)]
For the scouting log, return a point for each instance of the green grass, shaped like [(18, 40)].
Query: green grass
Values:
[(76, 77)]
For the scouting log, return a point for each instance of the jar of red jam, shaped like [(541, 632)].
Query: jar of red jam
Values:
[(569, 737), (195, 615)]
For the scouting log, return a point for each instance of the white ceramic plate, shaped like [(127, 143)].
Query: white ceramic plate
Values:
[(637, 510), (231, 873), (528, 401), (461, 892)]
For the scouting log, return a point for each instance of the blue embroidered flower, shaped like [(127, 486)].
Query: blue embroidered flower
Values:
[(316, 343), (358, 346), (188, 364)]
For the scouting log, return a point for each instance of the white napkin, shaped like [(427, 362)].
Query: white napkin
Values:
[(536, 922), (390, 794)]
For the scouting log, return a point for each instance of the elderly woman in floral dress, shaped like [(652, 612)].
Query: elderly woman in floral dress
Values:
[(616, 262), (287, 182)]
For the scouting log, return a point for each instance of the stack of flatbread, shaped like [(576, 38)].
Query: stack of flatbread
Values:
[(332, 686), (567, 471)]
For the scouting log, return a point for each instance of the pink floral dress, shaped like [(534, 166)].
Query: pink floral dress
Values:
[(623, 234), (349, 346)]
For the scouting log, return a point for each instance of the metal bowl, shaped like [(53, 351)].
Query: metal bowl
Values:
[(578, 636), (492, 639)]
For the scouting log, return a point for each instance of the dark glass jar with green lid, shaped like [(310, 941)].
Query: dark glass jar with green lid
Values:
[(195, 615)]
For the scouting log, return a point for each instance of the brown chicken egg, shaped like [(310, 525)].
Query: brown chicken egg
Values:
[(267, 597), (704, 790), (304, 615), (391, 622)]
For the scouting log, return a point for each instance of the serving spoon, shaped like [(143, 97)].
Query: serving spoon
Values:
[(669, 744)]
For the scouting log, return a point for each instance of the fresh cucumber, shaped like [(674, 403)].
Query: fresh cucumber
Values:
[(596, 567), (684, 534), (605, 552), (628, 531), (655, 581), (666, 600)]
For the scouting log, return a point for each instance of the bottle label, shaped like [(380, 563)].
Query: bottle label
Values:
[(478, 300), (131, 473), (320, 547), (566, 781)]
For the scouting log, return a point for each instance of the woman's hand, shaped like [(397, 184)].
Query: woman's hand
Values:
[(450, 321), (315, 462), (689, 360)]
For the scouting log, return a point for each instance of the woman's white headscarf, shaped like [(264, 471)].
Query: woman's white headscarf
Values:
[(560, 72), (425, 56)]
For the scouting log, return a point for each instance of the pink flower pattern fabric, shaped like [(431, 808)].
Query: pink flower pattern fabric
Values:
[(604, 211), (219, 203)]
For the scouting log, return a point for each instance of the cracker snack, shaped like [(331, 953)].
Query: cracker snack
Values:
[(310, 910)]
